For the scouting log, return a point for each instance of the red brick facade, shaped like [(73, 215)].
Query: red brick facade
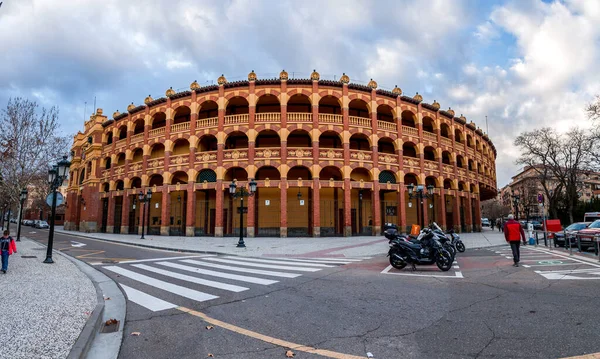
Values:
[(330, 158)]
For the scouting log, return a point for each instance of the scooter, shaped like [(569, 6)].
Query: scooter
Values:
[(428, 251)]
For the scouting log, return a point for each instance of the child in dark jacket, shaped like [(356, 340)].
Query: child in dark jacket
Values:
[(7, 247)]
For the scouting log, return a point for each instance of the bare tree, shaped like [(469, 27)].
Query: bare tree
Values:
[(30, 141), (494, 209), (560, 160), (593, 109)]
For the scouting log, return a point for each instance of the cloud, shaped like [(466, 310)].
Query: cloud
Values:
[(523, 64)]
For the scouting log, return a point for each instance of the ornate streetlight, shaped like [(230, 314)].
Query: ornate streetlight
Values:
[(241, 193), (145, 199), (420, 194), (23, 197), (56, 176)]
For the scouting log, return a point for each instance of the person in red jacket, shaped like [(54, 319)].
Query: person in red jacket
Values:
[(7, 247), (513, 233)]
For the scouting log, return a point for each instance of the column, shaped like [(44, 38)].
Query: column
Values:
[(316, 207), (468, 214), (125, 213), (456, 211), (441, 209), (165, 211), (190, 212), (477, 219), (110, 223), (219, 206), (347, 207), (376, 211), (401, 207), (251, 216), (283, 207)]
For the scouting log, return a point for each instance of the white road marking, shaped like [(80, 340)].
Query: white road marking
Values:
[(325, 261), (241, 278), (146, 300), (188, 278), (457, 274), (173, 288), (77, 244), (269, 261), (245, 270), (241, 263), (525, 265), (340, 259), (166, 258)]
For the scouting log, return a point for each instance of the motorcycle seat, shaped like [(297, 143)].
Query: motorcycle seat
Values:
[(413, 245)]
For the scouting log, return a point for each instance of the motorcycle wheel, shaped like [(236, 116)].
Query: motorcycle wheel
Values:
[(460, 246), (396, 262), (444, 260), (450, 248)]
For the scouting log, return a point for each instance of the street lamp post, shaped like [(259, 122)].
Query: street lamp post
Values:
[(145, 199), (241, 194), (56, 177), (516, 199), (420, 194), (23, 197)]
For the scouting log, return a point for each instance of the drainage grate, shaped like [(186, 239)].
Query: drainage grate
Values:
[(111, 328), (28, 256)]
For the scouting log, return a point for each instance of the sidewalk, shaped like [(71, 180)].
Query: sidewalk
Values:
[(44, 306), (264, 246)]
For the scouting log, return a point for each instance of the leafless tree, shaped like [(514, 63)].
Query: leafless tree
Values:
[(30, 142), (493, 209), (593, 109), (560, 160)]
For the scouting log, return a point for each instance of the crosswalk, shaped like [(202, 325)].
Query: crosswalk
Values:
[(207, 277)]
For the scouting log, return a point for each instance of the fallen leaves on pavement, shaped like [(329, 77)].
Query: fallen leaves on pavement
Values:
[(111, 321), (137, 334), (210, 355), (289, 354), (209, 327)]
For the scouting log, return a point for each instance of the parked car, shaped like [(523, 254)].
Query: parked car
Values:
[(485, 222), (571, 231), (587, 236), (537, 225), (13, 220), (42, 225)]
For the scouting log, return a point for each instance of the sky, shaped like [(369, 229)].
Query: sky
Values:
[(524, 64)]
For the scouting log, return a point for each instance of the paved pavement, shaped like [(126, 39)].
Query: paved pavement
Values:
[(264, 246), (44, 306)]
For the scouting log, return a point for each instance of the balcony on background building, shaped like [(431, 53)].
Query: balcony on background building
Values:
[(207, 122), (295, 117), (410, 131), (329, 118), (236, 119), (359, 121)]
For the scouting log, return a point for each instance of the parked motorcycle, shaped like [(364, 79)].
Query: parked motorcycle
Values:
[(460, 246), (446, 242), (427, 251)]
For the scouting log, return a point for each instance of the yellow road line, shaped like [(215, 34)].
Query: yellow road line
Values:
[(268, 339), (587, 356), (90, 254)]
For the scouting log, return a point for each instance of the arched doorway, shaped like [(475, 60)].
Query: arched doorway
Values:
[(268, 204), (205, 202), (361, 216), (331, 202), (299, 202)]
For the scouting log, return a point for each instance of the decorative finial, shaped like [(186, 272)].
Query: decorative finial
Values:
[(194, 85), (130, 107), (222, 80), (418, 97), (170, 92), (315, 76), (345, 79), (252, 76), (397, 91), (435, 105), (283, 75), (372, 84), (148, 99)]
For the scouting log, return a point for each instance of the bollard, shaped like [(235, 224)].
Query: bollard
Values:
[(545, 240), (550, 239), (578, 243), (570, 246), (597, 248), (537, 239)]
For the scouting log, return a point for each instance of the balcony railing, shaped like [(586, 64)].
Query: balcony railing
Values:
[(428, 136), (235, 154), (157, 132), (267, 153), (410, 131), (358, 155), (268, 117), (137, 138), (299, 117), (207, 122), (180, 127), (329, 118), (331, 153), (236, 119), (386, 126), (299, 152), (121, 143), (359, 121), (208, 156), (446, 142)]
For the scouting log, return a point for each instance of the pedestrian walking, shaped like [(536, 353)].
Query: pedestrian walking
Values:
[(7, 247), (513, 233)]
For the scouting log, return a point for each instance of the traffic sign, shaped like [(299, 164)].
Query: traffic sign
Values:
[(59, 199)]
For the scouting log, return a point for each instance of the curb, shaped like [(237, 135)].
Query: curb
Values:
[(87, 343)]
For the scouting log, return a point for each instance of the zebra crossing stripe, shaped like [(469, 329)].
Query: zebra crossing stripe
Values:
[(245, 270), (173, 288), (241, 278), (269, 261), (340, 259), (188, 278), (146, 300), (242, 263), (324, 261)]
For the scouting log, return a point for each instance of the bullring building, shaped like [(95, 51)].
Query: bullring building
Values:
[(330, 158)]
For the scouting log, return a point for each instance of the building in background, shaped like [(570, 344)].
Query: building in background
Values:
[(331, 158)]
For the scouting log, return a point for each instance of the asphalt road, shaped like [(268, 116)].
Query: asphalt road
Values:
[(482, 308)]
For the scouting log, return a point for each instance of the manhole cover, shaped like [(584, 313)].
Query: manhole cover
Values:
[(111, 328), (28, 256)]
